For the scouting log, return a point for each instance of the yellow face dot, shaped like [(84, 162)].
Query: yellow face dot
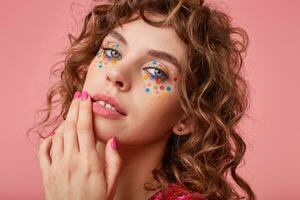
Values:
[(163, 94), (113, 61), (146, 76)]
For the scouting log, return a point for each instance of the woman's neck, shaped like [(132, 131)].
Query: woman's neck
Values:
[(137, 165)]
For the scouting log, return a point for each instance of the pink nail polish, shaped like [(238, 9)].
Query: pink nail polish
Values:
[(114, 143), (77, 95), (51, 133), (84, 95)]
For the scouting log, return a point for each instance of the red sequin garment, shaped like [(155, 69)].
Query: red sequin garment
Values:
[(176, 192)]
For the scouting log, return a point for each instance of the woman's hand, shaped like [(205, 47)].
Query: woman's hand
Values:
[(75, 167)]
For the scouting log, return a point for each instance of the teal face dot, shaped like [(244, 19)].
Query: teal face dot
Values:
[(168, 88), (100, 65), (147, 90)]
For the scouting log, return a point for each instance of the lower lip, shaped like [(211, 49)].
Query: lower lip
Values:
[(105, 112)]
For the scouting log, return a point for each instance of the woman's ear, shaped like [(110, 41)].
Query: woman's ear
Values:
[(184, 126)]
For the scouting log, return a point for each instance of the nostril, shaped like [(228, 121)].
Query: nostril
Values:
[(119, 83)]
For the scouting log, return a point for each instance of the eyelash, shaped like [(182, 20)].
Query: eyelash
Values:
[(110, 57), (164, 77)]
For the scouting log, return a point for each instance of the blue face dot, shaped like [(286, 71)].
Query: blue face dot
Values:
[(147, 90), (154, 62), (168, 88), (100, 65)]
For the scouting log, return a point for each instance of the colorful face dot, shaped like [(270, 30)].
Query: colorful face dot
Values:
[(146, 76), (164, 93), (168, 88), (154, 82)]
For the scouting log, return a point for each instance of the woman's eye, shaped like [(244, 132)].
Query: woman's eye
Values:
[(156, 73), (112, 53)]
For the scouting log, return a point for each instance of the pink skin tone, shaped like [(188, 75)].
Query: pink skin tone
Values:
[(70, 158), (151, 118), (144, 132)]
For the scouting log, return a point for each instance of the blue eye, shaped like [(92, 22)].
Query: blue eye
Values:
[(156, 73), (112, 53)]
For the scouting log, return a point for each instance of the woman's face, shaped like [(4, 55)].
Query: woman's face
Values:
[(139, 66)]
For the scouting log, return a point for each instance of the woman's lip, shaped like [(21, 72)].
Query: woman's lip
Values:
[(109, 100), (106, 112)]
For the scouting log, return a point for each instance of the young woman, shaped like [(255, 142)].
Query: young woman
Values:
[(150, 95)]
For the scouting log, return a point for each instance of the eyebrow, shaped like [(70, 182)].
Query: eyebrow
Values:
[(155, 53)]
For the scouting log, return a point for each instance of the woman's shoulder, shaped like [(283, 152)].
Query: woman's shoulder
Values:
[(176, 192)]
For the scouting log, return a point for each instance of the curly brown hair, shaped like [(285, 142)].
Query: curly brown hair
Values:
[(213, 92)]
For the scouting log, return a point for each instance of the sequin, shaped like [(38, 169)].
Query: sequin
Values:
[(176, 192)]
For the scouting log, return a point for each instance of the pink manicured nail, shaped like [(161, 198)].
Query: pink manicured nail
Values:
[(77, 95), (114, 143), (51, 133), (84, 95)]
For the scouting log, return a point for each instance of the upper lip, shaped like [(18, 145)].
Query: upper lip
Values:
[(109, 100)]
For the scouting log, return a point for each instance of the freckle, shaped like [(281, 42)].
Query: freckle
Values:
[(168, 88), (162, 87)]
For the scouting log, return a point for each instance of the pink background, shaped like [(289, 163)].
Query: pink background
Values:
[(33, 32)]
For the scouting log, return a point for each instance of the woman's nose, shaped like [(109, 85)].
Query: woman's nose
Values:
[(117, 78)]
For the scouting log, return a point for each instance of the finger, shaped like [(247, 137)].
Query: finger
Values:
[(113, 164), (70, 133), (85, 130), (100, 148), (57, 148), (44, 155)]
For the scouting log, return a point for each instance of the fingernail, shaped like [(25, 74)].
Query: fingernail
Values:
[(84, 95), (51, 133), (77, 95), (114, 143)]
